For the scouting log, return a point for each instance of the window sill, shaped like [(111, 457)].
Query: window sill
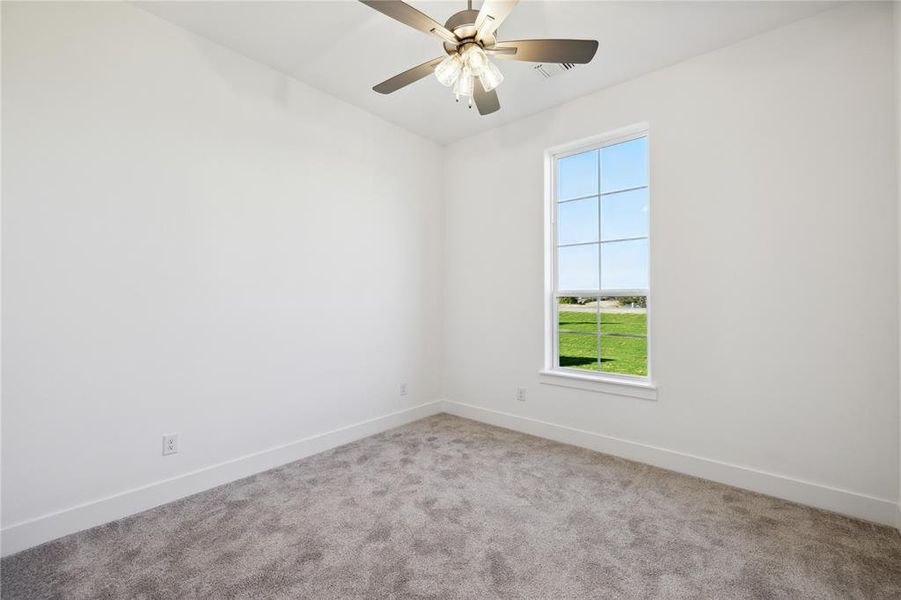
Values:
[(644, 390)]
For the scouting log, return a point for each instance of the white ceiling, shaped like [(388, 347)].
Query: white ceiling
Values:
[(344, 48)]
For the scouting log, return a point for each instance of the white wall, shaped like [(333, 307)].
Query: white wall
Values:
[(897, 22), (194, 243), (774, 267)]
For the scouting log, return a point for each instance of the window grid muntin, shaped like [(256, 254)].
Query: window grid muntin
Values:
[(625, 239)]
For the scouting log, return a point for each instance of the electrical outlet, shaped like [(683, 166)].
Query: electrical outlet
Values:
[(170, 444), (521, 394), (403, 389)]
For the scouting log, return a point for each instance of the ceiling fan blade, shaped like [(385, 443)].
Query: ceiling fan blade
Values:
[(496, 50), (550, 51), (406, 14), (486, 102), (491, 15), (407, 77)]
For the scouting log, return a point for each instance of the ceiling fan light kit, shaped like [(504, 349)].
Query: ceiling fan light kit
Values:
[(461, 68), (469, 37)]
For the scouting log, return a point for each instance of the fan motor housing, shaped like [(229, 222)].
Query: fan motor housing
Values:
[(463, 24)]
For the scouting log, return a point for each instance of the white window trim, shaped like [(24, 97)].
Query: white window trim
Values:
[(551, 374)]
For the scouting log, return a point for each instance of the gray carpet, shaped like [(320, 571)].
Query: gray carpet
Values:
[(450, 508)]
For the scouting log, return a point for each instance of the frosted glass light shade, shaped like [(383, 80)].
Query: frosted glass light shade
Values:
[(463, 85), (475, 58), (490, 76), (448, 70)]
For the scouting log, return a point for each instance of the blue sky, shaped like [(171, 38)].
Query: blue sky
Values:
[(603, 212)]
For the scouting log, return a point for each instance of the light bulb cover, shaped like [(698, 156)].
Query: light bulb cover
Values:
[(490, 76), (448, 70), (463, 85), (475, 58)]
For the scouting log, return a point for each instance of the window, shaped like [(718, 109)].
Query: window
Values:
[(598, 258)]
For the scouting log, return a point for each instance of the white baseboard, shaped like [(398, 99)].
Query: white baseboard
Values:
[(898, 518), (26, 534), (861, 506)]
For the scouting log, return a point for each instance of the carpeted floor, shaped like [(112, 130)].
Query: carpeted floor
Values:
[(451, 508)]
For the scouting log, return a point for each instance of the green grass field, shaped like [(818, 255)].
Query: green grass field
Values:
[(619, 354)]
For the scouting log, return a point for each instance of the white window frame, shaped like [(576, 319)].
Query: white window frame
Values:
[(552, 373)]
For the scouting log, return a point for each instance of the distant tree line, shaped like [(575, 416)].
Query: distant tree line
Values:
[(636, 301)]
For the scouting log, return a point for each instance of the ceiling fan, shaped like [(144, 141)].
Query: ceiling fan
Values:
[(470, 37)]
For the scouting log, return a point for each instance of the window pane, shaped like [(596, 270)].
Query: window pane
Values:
[(577, 268), (577, 314), (624, 316), (577, 221), (626, 355), (579, 351), (624, 165), (624, 215), (577, 175), (624, 265)]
